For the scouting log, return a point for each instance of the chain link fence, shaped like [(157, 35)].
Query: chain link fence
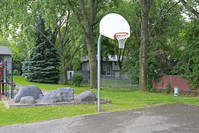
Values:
[(117, 82), (112, 81)]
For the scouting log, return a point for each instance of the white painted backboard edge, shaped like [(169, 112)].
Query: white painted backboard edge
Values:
[(113, 23)]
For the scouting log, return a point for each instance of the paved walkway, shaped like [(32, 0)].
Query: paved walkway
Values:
[(168, 118)]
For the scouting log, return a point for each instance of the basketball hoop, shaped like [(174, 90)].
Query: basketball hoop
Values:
[(121, 37), (115, 27)]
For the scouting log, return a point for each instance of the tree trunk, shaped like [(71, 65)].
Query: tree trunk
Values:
[(64, 71), (120, 64), (145, 8), (92, 59)]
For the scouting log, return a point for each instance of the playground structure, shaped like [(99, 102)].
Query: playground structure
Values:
[(6, 78), (6, 73)]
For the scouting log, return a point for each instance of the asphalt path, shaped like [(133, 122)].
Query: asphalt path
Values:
[(167, 118)]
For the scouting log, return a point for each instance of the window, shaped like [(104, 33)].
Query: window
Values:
[(108, 71)]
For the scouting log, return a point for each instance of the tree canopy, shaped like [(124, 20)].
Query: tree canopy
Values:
[(158, 31), (189, 59)]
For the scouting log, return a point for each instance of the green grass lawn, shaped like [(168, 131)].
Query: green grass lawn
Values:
[(21, 80), (121, 100)]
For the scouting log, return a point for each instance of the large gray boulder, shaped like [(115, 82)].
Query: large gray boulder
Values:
[(59, 95), (27, 100), (29, 90), (85, 96)]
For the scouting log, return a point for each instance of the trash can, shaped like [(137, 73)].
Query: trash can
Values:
[(176, 91)]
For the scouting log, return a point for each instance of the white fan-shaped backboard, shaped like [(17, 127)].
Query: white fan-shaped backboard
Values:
[(113, 23)]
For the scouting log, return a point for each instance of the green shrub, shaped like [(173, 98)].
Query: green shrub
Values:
[(158, 91), (152, 89), (15, 72), (168, 88), (77, 79)]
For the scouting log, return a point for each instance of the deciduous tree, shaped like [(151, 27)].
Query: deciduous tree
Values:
[(146, 33), (189, 58), (86, 12)]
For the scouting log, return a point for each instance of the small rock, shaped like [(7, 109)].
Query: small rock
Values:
[(27, 100), (59, 95), (85, 96), (41, 96)]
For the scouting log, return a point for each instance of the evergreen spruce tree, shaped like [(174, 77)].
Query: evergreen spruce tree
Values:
[(42, 66)]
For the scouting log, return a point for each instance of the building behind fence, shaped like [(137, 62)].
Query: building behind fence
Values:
[(174, 80)]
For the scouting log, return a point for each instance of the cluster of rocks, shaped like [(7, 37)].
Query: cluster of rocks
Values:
[(29, 95)]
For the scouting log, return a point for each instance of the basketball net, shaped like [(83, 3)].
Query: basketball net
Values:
[(121, 37)]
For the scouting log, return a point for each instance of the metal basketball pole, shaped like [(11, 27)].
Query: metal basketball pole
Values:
[(0, 78), (98, 71)]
